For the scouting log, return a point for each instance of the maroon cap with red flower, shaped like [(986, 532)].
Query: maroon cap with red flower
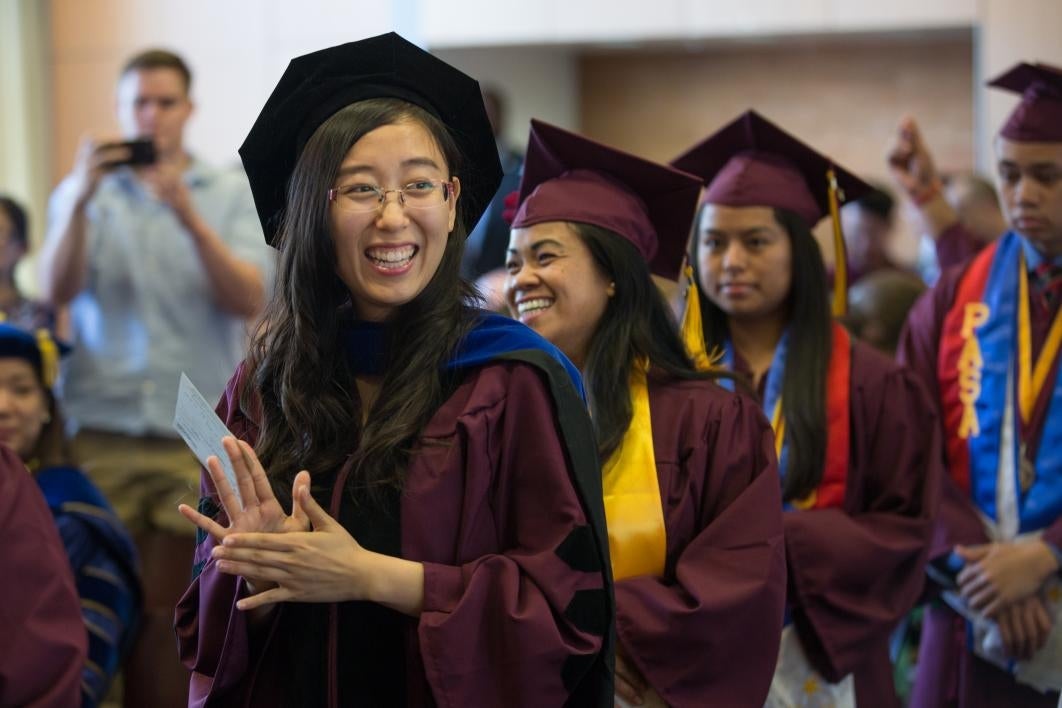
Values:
[(568, 177)]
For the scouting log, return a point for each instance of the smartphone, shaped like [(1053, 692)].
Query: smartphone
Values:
[(141, 152)]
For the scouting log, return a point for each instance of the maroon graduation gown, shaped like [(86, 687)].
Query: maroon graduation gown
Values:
[(44, 643), (955, 245), (947, 670), (707, 632), (515, 601), (855, 571)]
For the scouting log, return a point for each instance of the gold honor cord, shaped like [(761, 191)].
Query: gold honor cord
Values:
[(633, 510), (1031, 380), (778, 426), (840, 264)]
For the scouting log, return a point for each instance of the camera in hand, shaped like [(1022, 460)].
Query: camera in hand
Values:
[(141, 152)]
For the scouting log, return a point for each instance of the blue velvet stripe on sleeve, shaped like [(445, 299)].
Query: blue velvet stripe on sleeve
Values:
[(104, 561)]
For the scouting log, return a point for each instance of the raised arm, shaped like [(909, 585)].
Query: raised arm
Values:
[(914, 172), (64, 256), (236, 283)]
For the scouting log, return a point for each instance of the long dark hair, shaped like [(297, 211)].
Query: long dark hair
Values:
[(807, 358), (637, 323), (311, 414)]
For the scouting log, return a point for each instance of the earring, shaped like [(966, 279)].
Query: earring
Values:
[(46, 418), (611, 289)]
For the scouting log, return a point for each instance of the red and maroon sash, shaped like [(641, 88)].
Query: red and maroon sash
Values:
[(831, 490)]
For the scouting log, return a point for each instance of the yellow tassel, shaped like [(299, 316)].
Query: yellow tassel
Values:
[(840, 260), (692, 329), (49, 357)]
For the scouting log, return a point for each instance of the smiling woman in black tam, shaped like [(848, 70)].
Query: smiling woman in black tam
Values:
[(417, 517)]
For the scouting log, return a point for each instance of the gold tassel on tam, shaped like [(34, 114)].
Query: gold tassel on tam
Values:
[(49, 357), (840, 261)]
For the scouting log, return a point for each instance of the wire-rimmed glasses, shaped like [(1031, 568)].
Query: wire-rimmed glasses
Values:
[(419, 194)]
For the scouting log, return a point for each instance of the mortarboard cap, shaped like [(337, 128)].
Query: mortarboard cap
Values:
[(40, 349), (571, 178), (753, 162), (1038, 117), (315, 86)]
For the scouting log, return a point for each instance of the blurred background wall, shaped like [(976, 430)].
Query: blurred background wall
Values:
[(652, 77)]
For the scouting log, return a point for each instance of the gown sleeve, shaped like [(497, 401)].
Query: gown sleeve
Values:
[(727, 584), (955, 245), (213, 638), (919, 347), (1053, 534), (526, 626), (44, 644), (854, 574)]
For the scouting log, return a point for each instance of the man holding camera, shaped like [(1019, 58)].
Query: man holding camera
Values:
[(162, 262)]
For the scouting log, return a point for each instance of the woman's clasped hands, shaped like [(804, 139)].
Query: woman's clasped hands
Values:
[(305, 556)]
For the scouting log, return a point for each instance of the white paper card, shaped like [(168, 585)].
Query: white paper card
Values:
[(201, 429)]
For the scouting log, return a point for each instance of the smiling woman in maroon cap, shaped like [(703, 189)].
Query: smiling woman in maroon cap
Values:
[(690, 485), (987, 340), (856, 441), (449, 548)]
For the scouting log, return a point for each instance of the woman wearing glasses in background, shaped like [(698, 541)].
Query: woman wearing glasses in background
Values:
[(447, 545)]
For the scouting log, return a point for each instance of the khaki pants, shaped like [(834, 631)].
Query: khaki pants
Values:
[(144, 478)]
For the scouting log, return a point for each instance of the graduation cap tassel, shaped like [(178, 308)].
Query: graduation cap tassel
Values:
[(49, 357), (692, 329), (840, 265)]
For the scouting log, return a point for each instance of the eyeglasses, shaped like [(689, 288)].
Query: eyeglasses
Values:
[(422, 194)]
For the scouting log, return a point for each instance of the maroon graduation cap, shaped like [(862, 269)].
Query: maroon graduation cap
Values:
[(753, 162), (571, 178), (1038, 118)]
